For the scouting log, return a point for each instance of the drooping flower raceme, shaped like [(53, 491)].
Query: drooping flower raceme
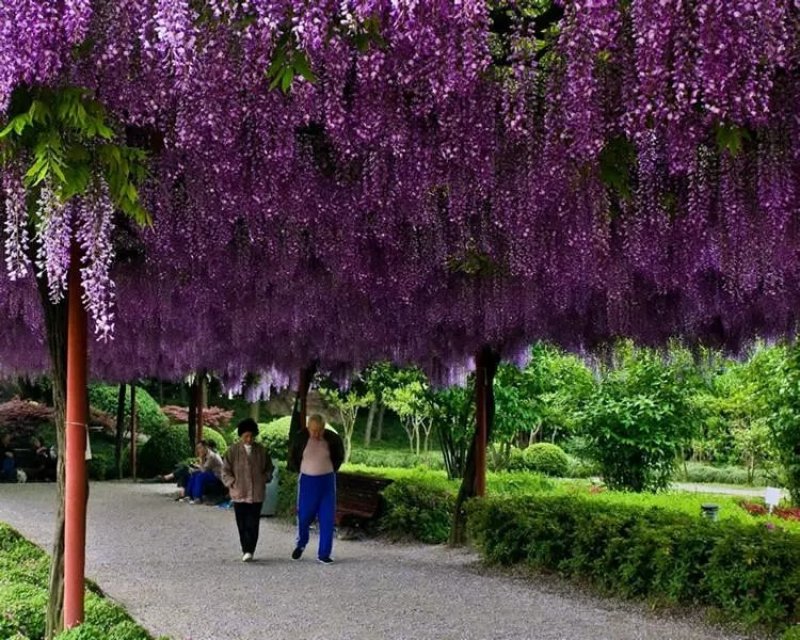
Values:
[(15, 226), (95, 219)]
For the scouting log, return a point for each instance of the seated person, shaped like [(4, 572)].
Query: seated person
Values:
[(45, 465), (8, 464), (207, 478)]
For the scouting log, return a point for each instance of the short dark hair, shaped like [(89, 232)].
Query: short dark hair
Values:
[(248, 424)]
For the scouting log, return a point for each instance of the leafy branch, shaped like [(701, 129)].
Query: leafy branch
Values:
[(65, 136)]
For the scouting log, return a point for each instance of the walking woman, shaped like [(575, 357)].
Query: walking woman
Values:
[(246, 469), (318, 453)]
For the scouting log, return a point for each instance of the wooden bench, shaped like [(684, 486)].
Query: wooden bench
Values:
[(358, 498)]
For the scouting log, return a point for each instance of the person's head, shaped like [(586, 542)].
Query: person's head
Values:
[(200, 448), (247, 430), (36, 443), (211, 445), (5, 439), (316, 426)]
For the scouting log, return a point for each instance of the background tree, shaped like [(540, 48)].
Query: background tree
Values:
[(347, 403), (412, 402), (639, 418), (454, 422)]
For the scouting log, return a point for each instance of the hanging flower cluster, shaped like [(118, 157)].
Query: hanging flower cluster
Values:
[(410, 180)]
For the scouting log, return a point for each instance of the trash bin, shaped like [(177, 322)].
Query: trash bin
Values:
[(270, 504)]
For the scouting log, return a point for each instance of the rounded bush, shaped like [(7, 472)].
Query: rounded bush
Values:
[(167, 447), (275, 436), (418, 509), (546, 458), (149, 416), (215, 436), (516, 460)]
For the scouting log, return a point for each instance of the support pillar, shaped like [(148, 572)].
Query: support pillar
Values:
[(481, 422), (134, 434), (199, 389), (76, 486), (299, 410), (302, 394)]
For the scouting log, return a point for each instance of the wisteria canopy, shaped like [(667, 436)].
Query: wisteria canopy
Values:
[(354, 180)]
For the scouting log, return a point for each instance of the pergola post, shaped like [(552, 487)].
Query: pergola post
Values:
[(306, 375), (300, 408), (481, 425), (76, 486), (199, 398), (134, 433)]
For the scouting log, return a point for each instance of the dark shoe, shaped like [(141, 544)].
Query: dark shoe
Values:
[(327, 560), (297, 553)]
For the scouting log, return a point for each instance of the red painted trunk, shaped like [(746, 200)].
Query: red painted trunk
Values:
[(76, 489)]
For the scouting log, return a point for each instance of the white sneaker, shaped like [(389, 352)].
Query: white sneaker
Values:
[(247, 557)]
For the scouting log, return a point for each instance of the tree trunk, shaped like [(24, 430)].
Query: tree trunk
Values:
[(120, 430), (298, 421), (458, 532), (255, 410), (373, 409), (134, 433), (379, 434), (201, 399), (192, 417), (55, 320)]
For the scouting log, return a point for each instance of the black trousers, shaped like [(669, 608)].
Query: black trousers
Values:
[(248, 517)]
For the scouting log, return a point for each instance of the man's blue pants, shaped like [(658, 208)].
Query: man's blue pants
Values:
[(316, 497)]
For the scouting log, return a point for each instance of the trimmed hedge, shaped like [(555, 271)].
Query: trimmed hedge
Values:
[(418, 509), (210, 434), (750, 573), (546, 458), (149, 416), (167, 447), (24, 571), (275, 436)]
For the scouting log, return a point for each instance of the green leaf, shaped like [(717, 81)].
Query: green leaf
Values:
[(287, 79), (616, 163), (730, 138), (302, 66)]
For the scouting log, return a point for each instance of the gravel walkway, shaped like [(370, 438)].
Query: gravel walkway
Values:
[(177, 570)]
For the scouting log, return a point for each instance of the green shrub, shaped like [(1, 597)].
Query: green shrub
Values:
[(101, 466), (287, 492), (396, 459), (22, 609), (792, 633), (547, 458), (639, 418), (516, 460), (581, 468), (215, 436), (149, 415), (275, 436), (750, 573), (515, 483), (704, 473), (418, 509), (167, 447), (24, 570)]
